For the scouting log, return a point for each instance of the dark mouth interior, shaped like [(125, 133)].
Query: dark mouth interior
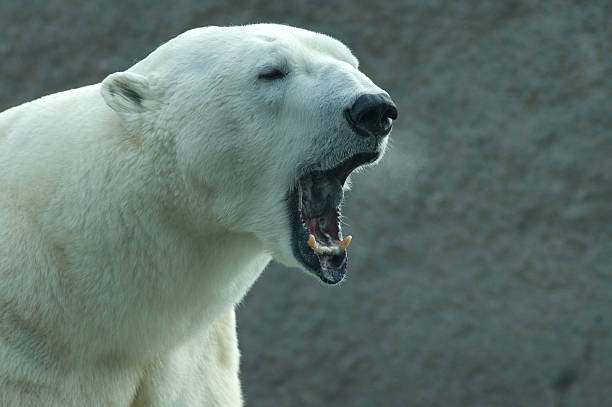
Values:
[(315, 208), (320, 198)]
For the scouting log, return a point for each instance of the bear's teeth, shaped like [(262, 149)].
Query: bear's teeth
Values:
[(339, 248), (347, 241), (312, 242)]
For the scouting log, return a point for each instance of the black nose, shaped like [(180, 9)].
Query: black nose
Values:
[(372, 114)]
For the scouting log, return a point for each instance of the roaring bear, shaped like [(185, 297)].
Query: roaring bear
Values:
[(135, 213)]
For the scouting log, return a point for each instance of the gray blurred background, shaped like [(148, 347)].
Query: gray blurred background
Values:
[(481, 261)]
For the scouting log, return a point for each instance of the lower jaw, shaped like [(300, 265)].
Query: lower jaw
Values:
[(333, 275), (328, 272)]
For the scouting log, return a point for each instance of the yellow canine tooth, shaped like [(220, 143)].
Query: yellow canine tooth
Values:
[(312, 242), (347, 241)]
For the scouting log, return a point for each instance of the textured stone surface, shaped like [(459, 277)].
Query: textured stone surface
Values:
[(480, 269)]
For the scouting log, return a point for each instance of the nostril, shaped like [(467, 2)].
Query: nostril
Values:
[(390, 112), (371, 116)]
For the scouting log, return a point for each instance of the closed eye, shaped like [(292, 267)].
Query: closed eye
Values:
[(272, 74)]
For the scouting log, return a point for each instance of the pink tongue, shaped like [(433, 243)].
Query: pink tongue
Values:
[(325, 261), (315, 227), (323, 226)]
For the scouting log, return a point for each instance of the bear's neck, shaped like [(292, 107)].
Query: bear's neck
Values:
[(140, 270)]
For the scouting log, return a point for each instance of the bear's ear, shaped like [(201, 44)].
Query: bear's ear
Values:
[(127, 92)]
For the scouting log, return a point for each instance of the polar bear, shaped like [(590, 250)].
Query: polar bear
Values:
[(136, 213)]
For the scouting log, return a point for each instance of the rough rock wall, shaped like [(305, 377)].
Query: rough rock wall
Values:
[(480, 270)]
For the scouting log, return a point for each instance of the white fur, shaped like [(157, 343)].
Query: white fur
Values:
[(135, 214)]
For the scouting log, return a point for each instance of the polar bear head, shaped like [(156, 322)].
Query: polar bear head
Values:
[(265, 124)]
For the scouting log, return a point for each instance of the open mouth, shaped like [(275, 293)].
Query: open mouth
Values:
[(314, 209)]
